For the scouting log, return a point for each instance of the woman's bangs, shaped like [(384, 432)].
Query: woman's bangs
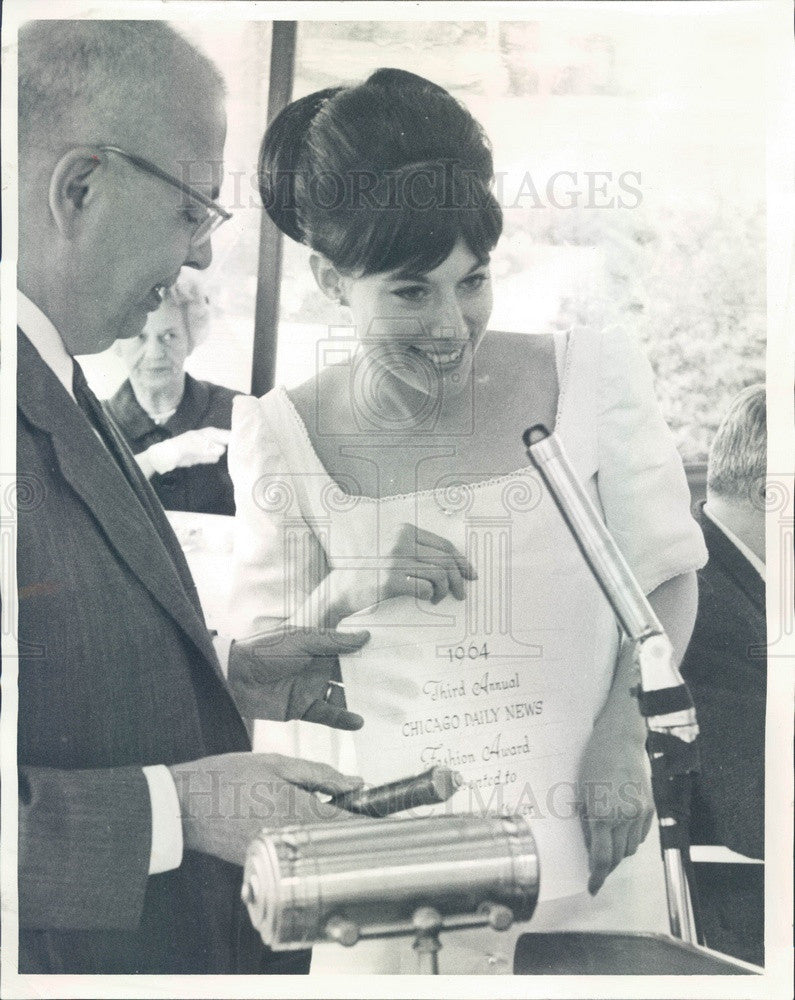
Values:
[(419, 241)]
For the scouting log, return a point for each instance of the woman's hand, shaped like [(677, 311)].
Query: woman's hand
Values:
[(418, 563), (616, 801), (615, 786), (200, 447)]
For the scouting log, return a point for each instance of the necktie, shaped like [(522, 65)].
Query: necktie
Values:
[(95, 415), (85, 400), (123, 458)]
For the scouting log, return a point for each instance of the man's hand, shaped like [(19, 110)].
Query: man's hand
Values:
[(616, 801), (285, 673), (226, 800)]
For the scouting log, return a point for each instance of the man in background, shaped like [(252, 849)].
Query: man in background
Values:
[(725, 668), (138, 792)]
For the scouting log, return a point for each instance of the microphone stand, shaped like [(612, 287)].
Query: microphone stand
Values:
[(663, 697)]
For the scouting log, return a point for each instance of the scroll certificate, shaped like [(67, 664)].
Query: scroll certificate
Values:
[(489, 705)]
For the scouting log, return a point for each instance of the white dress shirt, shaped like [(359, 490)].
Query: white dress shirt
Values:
[(166, 849), (46, 339)]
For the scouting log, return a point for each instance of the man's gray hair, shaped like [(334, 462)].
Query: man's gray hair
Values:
[(738, 457), (105, 77)]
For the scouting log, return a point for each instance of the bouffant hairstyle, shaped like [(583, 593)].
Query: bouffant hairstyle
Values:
[(385, 175)]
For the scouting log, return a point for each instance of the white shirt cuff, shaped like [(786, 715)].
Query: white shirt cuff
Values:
[(166, 850), (222, 644)]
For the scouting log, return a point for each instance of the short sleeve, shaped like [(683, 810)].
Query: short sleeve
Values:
[(641, 480), (277, 560)]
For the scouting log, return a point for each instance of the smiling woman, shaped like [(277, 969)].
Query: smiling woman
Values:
[(394, 480), (423, 326)]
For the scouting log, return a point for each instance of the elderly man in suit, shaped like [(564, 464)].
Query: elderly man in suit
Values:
[(725, 668), (138, 790)]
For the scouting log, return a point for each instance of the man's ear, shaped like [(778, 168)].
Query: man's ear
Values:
[(72, 187), (329, 280)]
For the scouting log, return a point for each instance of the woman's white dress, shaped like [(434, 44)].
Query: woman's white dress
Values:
[(504, 686)]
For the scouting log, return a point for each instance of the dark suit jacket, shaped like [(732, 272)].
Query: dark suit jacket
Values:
[(725, 669), (205, 488), (116, 671)]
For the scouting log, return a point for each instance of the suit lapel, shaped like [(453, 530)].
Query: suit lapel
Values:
[(119, 449), (122, 502)]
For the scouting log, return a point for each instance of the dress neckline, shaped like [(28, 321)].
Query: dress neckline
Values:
[(298, 422)]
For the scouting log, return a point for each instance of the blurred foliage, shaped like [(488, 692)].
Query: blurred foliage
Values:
[(690, 283)]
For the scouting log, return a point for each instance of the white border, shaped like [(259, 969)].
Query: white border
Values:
[(777, 981)]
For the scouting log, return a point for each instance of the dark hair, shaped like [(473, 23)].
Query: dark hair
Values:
[(387, 174)]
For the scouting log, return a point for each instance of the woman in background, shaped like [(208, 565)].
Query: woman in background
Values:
[(176, 425), (398, 472)]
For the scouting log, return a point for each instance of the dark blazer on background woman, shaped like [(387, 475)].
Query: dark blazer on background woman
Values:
[(205, 488)]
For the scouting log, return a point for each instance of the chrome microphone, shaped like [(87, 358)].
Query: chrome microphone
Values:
[(608, 565), (663, 697), (352, 879)]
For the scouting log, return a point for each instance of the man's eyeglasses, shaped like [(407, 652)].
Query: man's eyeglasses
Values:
[(213, 215)]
